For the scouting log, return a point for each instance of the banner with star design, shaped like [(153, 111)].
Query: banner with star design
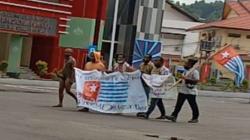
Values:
[(111, 93), (230, 59)]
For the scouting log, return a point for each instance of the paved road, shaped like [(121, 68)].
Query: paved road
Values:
[(25, 114)]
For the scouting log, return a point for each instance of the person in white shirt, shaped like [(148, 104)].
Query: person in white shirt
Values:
[(188, 91), (158, 69)]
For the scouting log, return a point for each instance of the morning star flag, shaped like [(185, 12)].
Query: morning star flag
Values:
[(111, 93), (231, 60)]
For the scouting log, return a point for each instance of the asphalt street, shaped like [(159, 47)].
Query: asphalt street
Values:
[(26, 114)]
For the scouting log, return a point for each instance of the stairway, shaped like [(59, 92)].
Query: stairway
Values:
[(26, 73)]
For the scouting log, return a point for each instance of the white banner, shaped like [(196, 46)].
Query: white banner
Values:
[(111, 93), (160, 86)]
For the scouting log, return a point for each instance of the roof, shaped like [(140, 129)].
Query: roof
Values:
[(175, 24), (241, 22), (238, 23), (182, 11), (239, 7)]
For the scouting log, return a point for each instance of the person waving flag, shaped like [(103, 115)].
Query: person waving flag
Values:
[(230, 59)]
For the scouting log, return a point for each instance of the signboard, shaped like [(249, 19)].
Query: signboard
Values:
[(92, 48), (28, 23), (143, 47), (80, 34)]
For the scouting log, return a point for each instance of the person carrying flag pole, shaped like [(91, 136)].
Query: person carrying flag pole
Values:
[(213, 56), (228, 58)]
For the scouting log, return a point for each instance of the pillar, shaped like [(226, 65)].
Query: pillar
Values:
[(15, 53), (248, 73), (205, 72)]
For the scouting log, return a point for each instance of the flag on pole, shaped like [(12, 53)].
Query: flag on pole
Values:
[(231, 60)]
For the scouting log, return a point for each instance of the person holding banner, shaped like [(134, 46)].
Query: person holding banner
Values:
[(146, 68), (158, 69), (188, 91), (121, 65), (67, 77), (94, 64)]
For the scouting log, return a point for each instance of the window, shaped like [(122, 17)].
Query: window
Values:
[(248, 36), (177, 49), (55, 1), (234, 35), (172, 36), (236, 46)]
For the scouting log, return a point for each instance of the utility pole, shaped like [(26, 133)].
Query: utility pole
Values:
[(111, 54)]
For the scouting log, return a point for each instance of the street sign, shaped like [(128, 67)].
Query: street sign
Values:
[(92, 48)]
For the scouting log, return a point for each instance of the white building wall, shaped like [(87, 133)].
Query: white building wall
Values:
[(191, 44), (188, 46), (172, 14)]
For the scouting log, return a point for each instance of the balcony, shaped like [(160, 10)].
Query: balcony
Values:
[(207, 46)]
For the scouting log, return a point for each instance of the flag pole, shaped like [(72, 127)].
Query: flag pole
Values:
[(197, 65), (111, 54)]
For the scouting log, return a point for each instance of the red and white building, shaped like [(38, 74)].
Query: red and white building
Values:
[(30, 29)]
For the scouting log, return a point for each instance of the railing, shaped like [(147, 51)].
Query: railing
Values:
[(207, 46)]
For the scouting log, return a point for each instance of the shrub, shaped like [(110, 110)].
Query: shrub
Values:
[(245, 85), (42, 67), (212, 81), (3, 66)]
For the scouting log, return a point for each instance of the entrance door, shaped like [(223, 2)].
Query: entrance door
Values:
[(4, 46), (26, 52)]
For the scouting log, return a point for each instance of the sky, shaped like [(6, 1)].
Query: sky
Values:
[(192, 1)]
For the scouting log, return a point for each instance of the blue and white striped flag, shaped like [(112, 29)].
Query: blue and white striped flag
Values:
[(113, 92), (231, 60)]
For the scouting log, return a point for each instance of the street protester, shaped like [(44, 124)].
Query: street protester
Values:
[(95, 63), (159, 69), (146, 67), (121, 65), (66, 77), (188, 91)]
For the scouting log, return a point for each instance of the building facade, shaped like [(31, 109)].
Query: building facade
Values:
[(30, 30), (177, 41), (234, 29), (137, 19)]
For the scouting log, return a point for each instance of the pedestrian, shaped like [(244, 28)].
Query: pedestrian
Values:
[(67, 77), (121, 65), (146, 68), (95, 63), (159, 69), (188, 91)]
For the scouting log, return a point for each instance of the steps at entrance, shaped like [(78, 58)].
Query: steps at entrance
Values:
[(26, 73)]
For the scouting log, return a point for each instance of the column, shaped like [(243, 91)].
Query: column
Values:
[(15, 53)]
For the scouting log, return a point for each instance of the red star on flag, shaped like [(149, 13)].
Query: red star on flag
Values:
[(223, 56), (91, 90)]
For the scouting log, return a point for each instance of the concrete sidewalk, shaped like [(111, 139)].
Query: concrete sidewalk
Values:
[(24, 82), (54, 84), (222, 94)]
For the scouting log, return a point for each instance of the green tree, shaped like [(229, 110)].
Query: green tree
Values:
[(208, 11)]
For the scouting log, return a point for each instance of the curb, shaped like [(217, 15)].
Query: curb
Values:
[(224, 94)]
